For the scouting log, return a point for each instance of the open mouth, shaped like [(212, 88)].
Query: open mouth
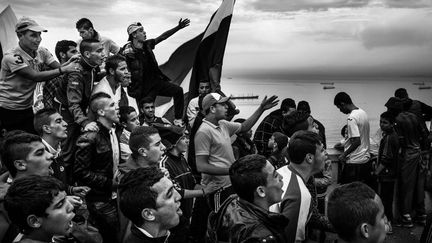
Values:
[(179, 211), (50, 171)]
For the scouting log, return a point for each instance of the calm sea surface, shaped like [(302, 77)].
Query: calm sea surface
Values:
[(369, 94)]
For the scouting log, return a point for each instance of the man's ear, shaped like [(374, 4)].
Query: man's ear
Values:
[(142, 152), (309, 158), (20, 165), (100, 112), (148, 214), (62, 55), (260, 191), (86, 54), (364, 230), (111, 71), (212, 109), (34, 222), (46, 129)]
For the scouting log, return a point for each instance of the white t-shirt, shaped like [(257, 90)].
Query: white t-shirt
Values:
[(358, 126)]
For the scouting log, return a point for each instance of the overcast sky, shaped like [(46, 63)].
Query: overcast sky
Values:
[(268, 38)]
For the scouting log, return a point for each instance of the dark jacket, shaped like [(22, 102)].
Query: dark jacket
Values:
[(388, 155), (137, 236), (145, 72), (240, 221), (93, 165), (271, 123), (74, 94)]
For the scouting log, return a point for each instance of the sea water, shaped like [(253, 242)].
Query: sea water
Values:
[(368, 94)]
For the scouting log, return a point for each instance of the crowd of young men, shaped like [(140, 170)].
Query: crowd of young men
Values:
[(82, 165)]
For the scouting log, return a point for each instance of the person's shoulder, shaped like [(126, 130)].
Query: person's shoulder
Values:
[(87, 138), (43, 50)]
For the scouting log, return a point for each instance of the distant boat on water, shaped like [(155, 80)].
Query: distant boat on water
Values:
[(329, 83), (418, 83), (425, 87), (244, 97), (328, 87)]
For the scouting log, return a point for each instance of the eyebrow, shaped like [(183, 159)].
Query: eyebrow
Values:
[(61, 201), (170, 190)]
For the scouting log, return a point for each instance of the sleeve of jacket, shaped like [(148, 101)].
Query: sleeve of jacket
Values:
[(83, 158), (390, 150), (75, 89)]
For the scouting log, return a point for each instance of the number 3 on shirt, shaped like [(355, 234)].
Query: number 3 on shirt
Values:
[(19, 59)]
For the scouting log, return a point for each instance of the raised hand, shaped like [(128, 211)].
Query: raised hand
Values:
[(183, 23), (269, 103)]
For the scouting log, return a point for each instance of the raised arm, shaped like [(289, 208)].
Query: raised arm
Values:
[(181, 24), (265, 105), (31, 74)]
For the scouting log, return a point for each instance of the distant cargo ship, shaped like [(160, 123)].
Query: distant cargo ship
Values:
[(419, 83), (328, 87), (329, 83), (424, 87)]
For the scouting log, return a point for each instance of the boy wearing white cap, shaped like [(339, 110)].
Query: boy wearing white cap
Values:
[(147, 78), (21, 70)]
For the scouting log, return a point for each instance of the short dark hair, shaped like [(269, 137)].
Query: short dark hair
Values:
[(296, 121), (136, 194), (94, 104), (246, 175), (301, 144), (16, 147), (287, 103), (401, 93), (146, 100), (41, 118), (304, 106), (63, 46), (84, 23), (342, 97), (113, 62), (140, 137), (30, 195), (389, 116), (124, 112), (349, 206), (281, 140), (86, 45)]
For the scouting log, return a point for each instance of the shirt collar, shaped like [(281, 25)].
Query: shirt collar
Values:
[(210, 124), (51, 150), (145, 232)]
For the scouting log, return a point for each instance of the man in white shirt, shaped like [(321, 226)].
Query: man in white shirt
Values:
[(356, 156), (117, 77), (193, 107)]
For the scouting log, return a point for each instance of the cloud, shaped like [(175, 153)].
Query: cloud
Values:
[(324, 5), (408, 28), (295, 5)]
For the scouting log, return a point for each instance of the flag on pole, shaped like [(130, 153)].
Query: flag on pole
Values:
[(210, 54), (204, 53)]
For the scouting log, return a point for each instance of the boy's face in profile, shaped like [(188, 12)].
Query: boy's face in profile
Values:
[(385, 125), (59, 215)]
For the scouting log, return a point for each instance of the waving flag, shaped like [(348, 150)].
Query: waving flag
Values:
[(204, 53), (209, 57)]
